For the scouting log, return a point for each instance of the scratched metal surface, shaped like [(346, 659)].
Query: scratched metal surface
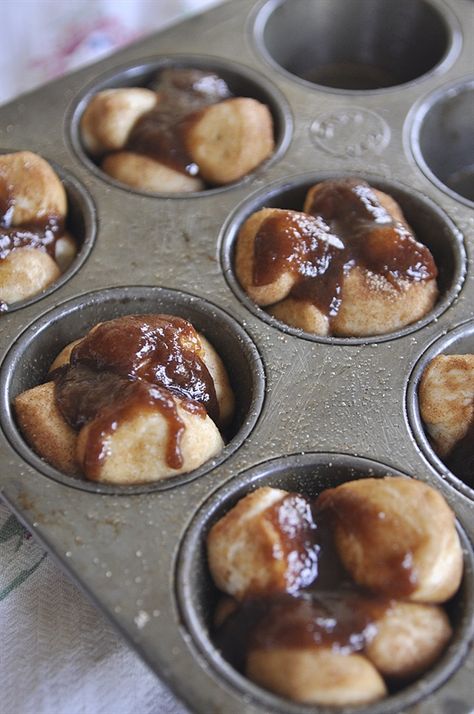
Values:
[(334, 397)]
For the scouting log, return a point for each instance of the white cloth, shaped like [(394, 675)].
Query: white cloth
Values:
[(58, 654)]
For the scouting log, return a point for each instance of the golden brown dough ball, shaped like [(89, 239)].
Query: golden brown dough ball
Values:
[(372, 305), (316, 675), (148, 174), (110, 115), (45, 428), (230, 139), (410, 637), (446, 397), (252, 552), (245, 259), (136, 451), (26, 272), (35, 188), (396, 536)]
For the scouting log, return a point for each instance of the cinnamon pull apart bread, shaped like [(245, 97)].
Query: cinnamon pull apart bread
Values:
[(35, 247), (347, 265), (338, 601), (446, 398), (139, 398), (182, 134)]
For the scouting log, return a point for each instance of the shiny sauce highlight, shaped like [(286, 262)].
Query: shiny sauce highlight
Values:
[(41, 234), (346, 226), (128, 366)]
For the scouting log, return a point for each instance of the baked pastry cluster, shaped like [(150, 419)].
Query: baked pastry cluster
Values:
[(35, 247), (184, 132), (337, 601), (139, 398), (347, 265), (446, 399)]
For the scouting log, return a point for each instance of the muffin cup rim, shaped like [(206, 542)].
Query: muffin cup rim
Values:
[(200, 641), (413, 125), (228, 235), (67, 308), (415, 423), (151, 63), (264, 9)]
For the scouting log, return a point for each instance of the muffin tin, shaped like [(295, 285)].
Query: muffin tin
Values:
[(312, 411)]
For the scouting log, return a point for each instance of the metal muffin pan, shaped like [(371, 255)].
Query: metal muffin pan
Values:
[(304, 402), (309, 474)]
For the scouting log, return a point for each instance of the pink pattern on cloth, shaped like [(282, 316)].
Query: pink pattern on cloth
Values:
[(83, 43)]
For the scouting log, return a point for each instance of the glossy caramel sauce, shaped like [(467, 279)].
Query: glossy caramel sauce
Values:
[(325, 609), (130, 365), (41, 234), (161, 132), (346, 226), (292, 517)]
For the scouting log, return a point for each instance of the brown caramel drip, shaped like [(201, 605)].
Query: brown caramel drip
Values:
[(160, 349), (348, 227), (161, 132), (127, 366), (105, 400), (136, 398), (293, 519), (342, 619), (329, 610), (398, 578), (461, 459), (81, 392), (40, 234)]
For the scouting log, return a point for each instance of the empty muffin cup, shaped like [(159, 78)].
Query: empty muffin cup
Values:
[(164, 143), (442, 139), (431, 227), (459, 341), (308, 474), (358, 46), (30, 358), (81, 224)]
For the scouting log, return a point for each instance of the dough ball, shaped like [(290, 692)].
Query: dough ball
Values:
[(410, 638), (147, 174), (396, 536), (26, 272), (36, 190), (446, 396), (110, 116), (229, 139), (45, 429), (316, 675), (253, 550)]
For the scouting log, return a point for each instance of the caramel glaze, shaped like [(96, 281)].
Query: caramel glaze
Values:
[(41, 234), (127, 366), (461, 459), (346, 227), (327, 609), (161, 132), (292, 517)]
